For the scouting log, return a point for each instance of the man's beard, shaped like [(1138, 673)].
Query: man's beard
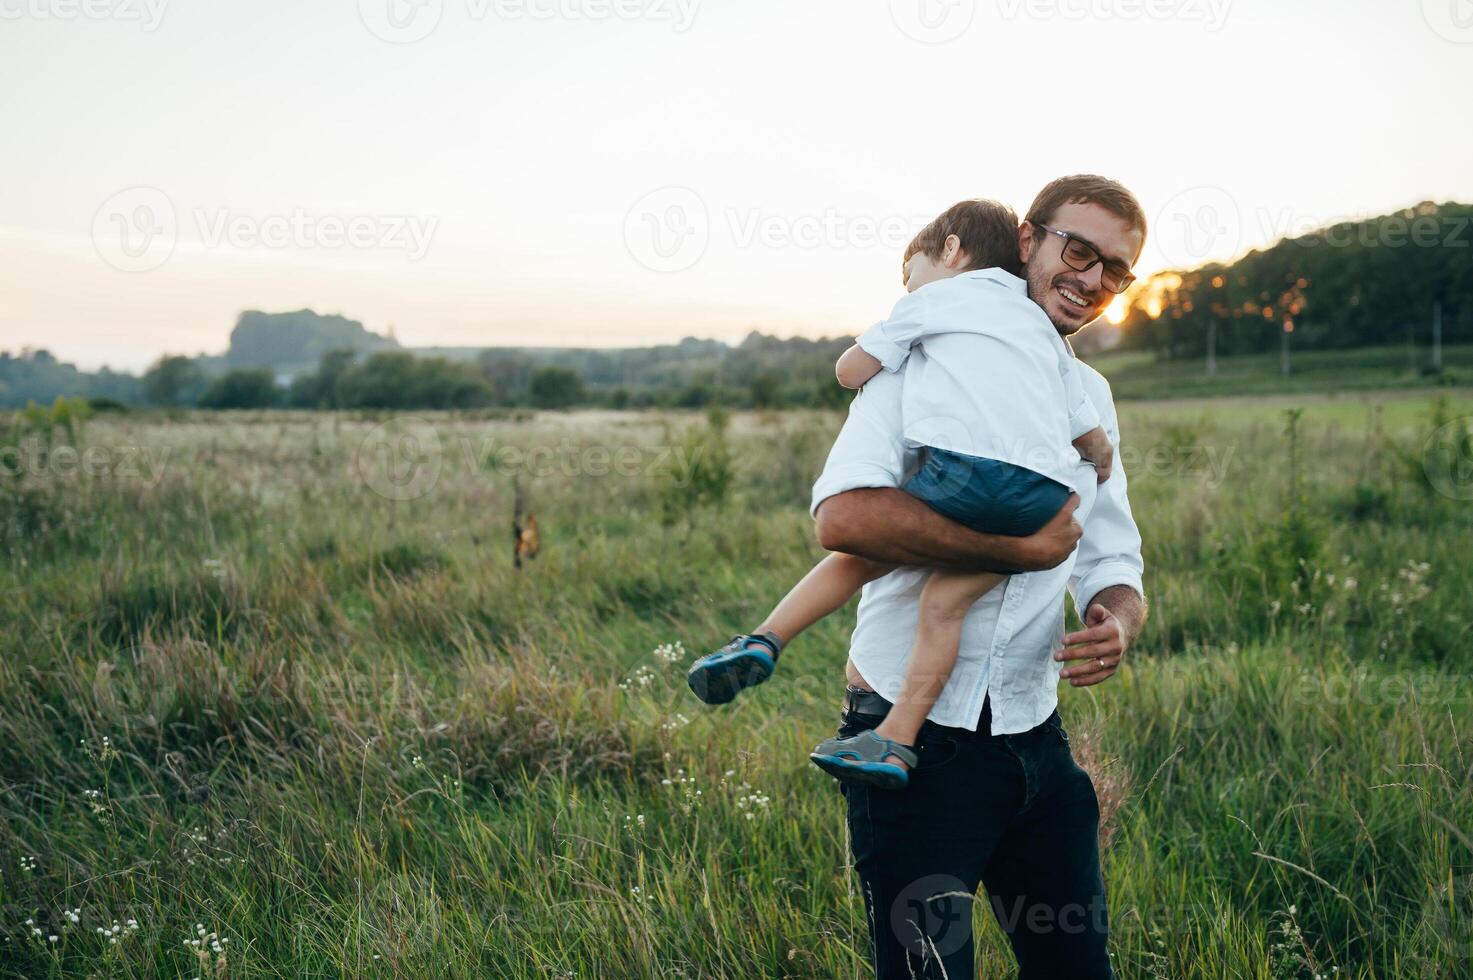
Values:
[(1041, 289)]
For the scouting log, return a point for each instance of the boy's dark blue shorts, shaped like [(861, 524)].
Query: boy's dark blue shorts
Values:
[(984, 494)]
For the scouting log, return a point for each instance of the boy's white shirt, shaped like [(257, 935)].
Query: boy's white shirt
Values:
[(1009, 635), (998, 381)]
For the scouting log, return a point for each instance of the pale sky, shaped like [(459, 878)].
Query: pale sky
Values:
[(621, 172)]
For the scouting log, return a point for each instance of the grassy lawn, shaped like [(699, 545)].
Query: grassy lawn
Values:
[(259, 683)]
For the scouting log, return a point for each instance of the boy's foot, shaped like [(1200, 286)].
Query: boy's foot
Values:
[(866, 758), (746, 661)]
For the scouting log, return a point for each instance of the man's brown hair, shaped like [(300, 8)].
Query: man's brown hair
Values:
[(1088, 189), (987, 230)]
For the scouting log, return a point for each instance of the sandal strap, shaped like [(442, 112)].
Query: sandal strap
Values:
[(769, 639), (889, 747)]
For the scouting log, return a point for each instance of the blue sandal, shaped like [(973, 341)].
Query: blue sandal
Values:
[(861, 759), (748, 660)]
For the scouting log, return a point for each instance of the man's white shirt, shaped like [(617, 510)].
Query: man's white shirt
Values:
[(1009, 636), (998, 381)]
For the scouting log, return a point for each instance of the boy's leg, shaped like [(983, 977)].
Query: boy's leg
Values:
[(749, 659), (945, 601), (826, 587)]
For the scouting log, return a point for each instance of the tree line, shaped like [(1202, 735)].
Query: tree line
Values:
[(344, 379), (1381, 281)]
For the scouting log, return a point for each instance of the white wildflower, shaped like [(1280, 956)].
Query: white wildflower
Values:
[(670, 653)]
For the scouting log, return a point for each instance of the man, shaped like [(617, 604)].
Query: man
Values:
[(996, 798)]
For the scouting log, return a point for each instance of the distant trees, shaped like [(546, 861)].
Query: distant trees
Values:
[(37, 375), (320, 390), (397, 379), (762, 372), (508, 374), (556, 387), (241, 388), (766, 387), (1351, 284), (173, 380)]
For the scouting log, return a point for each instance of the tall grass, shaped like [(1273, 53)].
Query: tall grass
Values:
[(248, 695)]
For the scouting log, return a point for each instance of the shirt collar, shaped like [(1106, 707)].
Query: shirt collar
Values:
[(1004, 278), (1000, 276)]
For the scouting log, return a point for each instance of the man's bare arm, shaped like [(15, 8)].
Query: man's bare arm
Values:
[(1126, 605), (889, 525)]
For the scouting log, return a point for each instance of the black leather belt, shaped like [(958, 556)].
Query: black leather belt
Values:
[(862, 702)]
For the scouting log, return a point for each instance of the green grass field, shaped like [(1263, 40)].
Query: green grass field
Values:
[(271, 694), (1136, 374)]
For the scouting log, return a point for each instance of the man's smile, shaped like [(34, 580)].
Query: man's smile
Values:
[(1076, 301), (1073, 298)]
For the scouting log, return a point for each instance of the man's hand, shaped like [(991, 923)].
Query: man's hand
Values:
[(1111, 624), (1051, 544)]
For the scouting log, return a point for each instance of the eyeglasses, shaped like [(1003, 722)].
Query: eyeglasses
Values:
[(1081, 256)]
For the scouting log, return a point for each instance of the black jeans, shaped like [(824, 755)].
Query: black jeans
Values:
[(1011, 811)]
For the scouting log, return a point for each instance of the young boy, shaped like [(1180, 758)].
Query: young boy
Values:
[(996, 405)]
